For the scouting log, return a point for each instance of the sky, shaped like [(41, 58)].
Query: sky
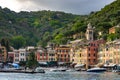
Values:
[(68, 6)]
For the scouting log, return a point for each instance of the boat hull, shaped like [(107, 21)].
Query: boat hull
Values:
[(96, 70)]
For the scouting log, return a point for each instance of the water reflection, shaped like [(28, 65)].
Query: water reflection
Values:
[(60, 76)]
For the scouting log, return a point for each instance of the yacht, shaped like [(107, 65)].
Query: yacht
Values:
[(97, 69)]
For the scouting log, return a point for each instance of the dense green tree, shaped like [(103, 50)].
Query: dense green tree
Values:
[(5, 43), (111, 37), (32, 62), (18, 42)]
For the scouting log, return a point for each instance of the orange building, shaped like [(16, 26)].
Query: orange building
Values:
[(3, 54), (112, 30), (63, 54)]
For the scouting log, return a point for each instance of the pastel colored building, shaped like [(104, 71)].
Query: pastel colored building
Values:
[(16, 56), (116, 52), (51, 52), (41, 56), (92, 51), (83, 55), (78, 51), (63, 53), (105, 53), (22, 54), (109, 53)]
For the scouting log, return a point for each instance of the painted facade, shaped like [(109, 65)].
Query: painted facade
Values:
[(63, 53), (41, 55), (109, 53)]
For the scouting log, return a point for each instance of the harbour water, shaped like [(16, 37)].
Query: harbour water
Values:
[(60, 76)]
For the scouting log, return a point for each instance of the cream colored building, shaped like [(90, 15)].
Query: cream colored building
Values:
[(109, 53), (51, 52)]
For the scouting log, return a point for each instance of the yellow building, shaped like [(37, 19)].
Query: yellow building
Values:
[(77, 56)]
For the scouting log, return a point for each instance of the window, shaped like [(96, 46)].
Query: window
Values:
[(68, 55), (89, 60), (89, 54), (80, 55), (106, 49), (65, 55), (90, 32), (52, 59), (22, 54), (94, 60), (16, 55), (88, 49), (16, 59), (40, 54), (91, 44)]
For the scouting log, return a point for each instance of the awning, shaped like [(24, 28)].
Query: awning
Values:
[(1, 63), (15, 65), (45, 63), (60, 63), (79, 65)]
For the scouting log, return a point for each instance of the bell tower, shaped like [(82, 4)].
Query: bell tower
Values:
[(89, 32)]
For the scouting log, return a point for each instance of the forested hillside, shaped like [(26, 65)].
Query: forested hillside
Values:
[(38, 28)]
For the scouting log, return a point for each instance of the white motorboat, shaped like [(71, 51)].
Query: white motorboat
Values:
[(96, 69), (58, 69)]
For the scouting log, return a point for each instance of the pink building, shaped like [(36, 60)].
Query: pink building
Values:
[(41, 56)]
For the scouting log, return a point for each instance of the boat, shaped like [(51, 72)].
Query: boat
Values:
[(97, 69), (58, 69), (70, 70), (39, 70)]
